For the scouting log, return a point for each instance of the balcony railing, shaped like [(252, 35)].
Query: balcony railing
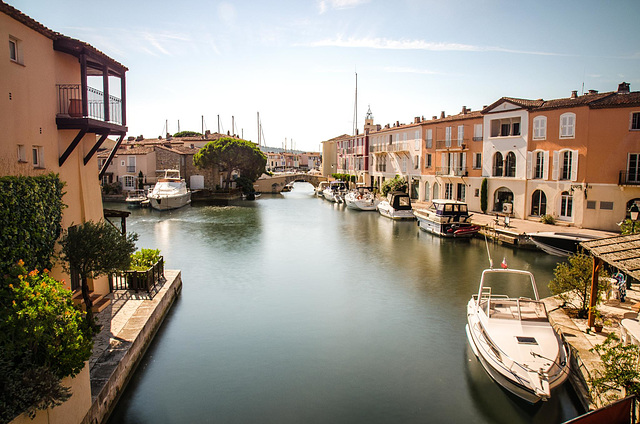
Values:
[(629, 178), (70, 103), (450, 144), (451, 171)]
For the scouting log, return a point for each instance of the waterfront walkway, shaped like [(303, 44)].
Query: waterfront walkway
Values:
[(128, 324)]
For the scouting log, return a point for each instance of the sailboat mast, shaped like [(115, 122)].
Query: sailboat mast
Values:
[(258, 116), (355, 110)]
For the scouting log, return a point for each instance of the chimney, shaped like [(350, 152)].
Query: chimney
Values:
[(574, 94), (434, 117), (623, 87), (416, 120), (131, 138), (140, 138), (593, 91), (169, 136), (442, 115), (464, 110)]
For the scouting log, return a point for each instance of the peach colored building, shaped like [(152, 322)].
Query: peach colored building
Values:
[(62, 99)]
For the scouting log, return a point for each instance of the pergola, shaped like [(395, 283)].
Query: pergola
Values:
[(621, 252)]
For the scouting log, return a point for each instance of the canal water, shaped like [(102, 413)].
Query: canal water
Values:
[(297, 310)]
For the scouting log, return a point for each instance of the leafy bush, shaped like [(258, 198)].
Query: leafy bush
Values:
[(619, 370), (43, 338), (397, 184), (629, 227), (548, 219), (143, 259), (30, 220), (187, 134), (112, 188), (245, 184)]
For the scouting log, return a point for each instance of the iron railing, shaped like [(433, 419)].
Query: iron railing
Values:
[(629, 178), (452, 171), (70, 103), (138, 280)]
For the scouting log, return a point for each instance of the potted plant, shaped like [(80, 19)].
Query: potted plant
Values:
[(598, 323)]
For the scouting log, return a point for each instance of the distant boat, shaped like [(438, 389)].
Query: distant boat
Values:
[(287, 188), (170, 192), (559, 244), (335, 191), (361, 199), (446, 218), (321, 186), (397, 206), (135, 198), (514, 340)]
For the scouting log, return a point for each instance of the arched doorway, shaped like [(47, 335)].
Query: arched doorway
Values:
[(498, 164), (501, 196), (436, 190), (538, 203), (415, 188)]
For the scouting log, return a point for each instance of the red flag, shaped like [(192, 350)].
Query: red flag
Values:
[(504, 263)]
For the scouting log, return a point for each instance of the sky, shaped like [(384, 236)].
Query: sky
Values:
[(295, 62)]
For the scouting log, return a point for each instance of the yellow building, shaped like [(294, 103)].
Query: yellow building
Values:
[(57, 108)]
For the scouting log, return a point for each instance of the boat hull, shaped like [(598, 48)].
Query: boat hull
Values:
[(163, 203), (559, 244), (462, 230), (361, 205), (396, 214)]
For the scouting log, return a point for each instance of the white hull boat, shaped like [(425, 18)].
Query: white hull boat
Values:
[(514, 340), (170, 192), (361, 199), (397, 206), (559, 244), (446, 218), (335, 191)]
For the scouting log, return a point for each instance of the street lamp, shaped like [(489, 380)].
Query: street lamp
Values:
[(634, 211)]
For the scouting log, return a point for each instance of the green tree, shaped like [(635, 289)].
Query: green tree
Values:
[(397, 184), (93, 249), (572, 282), (483, 195), (629, 227), (187, 134), (230, 154), (619, 370), (43, 338)]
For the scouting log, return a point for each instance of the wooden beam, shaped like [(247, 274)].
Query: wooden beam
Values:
[(71, 147), (593, 296), (95, 147), (110, 158), (84, 85)]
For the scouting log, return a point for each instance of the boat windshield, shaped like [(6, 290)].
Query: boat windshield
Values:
[(515, 309)]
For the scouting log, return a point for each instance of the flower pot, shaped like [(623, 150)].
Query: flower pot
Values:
[(75, 108)]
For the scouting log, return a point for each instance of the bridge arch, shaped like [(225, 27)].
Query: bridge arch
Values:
[(275, 183)]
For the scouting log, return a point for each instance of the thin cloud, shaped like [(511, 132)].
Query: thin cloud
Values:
[(389, 44), (324, 5), (403, 70)]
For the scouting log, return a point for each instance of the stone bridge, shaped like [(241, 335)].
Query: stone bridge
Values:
[(274, 184)]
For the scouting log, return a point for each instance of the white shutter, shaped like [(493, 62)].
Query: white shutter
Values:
[(464, 161), (460, 134), (545, 166), (556, 159), (529, 166), (443, 163), (574, 165), (455, 164)]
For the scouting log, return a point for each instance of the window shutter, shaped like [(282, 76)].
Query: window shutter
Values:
[(545, 166), (455, 164), (464, 161), (556, 159), (529, 166), (443, 163), (574, 165)]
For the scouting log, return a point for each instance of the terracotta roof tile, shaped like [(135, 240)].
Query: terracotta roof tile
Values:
[(618, 100), (584, 100)]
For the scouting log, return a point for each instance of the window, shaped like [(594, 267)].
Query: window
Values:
[(14, 50), (131, 164), (478, 162), (505, 127), (565, 173), (448, 191), (567, 125), (539, 168), (633, 168), (566, 205), (418, 140), (22, 153), (477, 132), (38, 156), (436, 190), (429, 139), (538, 203), (498, 164), (129, 182), (462, 190), (460, 134), (565, 165), (447, 136), (404, 164), (426, 191), (540, 128), (427, 160), (510, 165), (416, 161), (635, 121)]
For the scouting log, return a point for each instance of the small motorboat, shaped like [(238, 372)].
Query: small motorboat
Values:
[(321, 186), (513, 338), (446, 218), (135, 198), (361, 199), (287, 188), (396, 206), (559, 244), (335, 192), (170, 192)]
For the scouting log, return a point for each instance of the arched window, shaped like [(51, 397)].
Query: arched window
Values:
[(510, 165), (566, 205), (498, 164), (436, 190), (501, 196), (568, 125), (538, 203), (427, 192)]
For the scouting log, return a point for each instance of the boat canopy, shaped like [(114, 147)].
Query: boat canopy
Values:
[(400, 201)]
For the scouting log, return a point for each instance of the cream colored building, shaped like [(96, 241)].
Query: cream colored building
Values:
[(54, 117)]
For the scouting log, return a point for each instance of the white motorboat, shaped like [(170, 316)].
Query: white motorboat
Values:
[(513, 338), (335, 191), (361, 199), (559, 244), (135, 198), (446, 218), (396, 206), (321, 186), (170, 192)]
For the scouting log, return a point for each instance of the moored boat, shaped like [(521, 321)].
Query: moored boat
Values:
[(559, 244), (396, 206), (135, 198), (321, 186), (170, 192), (335, 191), (446, 218), (514, 340), (361, 199)]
